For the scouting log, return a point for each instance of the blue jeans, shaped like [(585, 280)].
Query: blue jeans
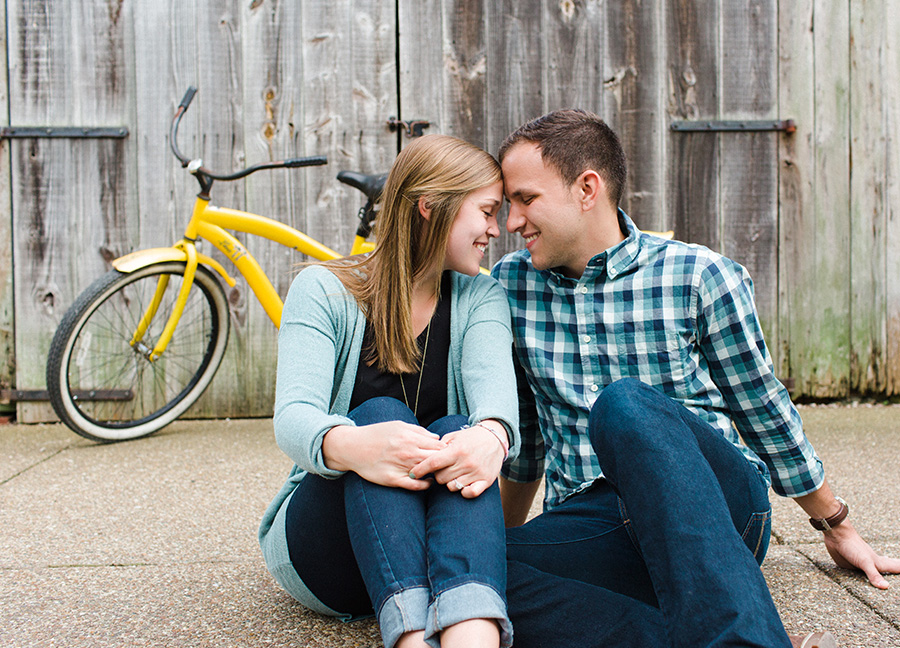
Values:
[(426, 559), (664, 552)]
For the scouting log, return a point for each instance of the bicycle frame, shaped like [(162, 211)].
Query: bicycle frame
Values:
[(211, 223)]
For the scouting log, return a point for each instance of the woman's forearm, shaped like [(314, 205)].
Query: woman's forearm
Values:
[(337, 447)]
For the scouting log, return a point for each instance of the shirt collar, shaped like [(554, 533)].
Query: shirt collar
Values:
[(623, 256)]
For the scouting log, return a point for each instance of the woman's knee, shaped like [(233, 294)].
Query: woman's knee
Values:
[(381, 409), (448, 424)]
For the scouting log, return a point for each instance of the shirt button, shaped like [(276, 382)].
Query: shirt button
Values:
[(582, 289), (586, 338), (594, 388)]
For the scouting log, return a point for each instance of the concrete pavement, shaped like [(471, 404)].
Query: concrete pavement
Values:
[(153, 542)]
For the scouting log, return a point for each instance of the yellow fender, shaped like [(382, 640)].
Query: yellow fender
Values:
[(143, 258)]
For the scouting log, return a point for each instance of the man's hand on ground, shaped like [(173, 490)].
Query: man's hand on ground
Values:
[(850, 551)]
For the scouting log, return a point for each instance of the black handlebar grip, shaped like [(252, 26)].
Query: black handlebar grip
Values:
[(315, 160), (188, 97)]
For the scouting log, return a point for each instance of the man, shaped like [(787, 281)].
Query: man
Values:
[(645, 368)]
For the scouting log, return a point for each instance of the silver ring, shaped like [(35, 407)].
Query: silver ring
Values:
[(459, 486)]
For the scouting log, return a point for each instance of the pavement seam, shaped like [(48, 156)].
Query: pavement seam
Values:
[(184, 563), (827, 573), (34, 465)]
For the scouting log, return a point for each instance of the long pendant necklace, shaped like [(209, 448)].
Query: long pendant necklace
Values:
[(415, 408)]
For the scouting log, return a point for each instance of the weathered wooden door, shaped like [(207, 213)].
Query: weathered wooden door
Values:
[(811, 212), (282, 78), (72, 210), (808, 212), (276, 79), (722, 180)]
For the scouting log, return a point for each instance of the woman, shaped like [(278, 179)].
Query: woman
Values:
[(396, 401)]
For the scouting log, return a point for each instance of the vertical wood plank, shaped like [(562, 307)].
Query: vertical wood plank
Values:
[(633, 103), (692, 159), (366, 96), (514, 67), (443, 67), (270, 53), (326, 69), (273, 64), (164, 68), (323, 38), (465, 71), (72, 204), (7, 321), (868, 191), (369, 145), (891, 63), (796, 187), (420, 58), (514, 84), (748, 161), (574, 44), (216, 45), (814, 194), (177, 45), (832, 199)]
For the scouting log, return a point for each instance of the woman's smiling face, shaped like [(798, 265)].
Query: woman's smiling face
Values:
[(473, 228)]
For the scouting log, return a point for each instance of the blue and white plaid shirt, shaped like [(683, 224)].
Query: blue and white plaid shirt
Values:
[(678, 317)]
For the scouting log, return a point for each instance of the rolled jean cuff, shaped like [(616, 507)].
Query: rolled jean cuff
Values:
[(462, 603), (402, 612)]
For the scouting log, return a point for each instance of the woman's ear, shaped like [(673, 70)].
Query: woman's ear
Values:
[(424, 208)]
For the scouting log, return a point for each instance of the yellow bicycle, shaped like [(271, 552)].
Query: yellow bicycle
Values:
[(141, 344)]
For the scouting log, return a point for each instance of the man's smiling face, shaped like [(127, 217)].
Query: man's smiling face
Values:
[(543, 210)]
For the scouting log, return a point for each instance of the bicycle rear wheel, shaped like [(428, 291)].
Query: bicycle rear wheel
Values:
[(104, 388)]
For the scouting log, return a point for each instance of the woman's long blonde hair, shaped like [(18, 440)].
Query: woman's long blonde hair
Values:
[(443, 171)]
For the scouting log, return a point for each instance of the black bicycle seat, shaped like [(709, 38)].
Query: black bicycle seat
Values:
[(371, 185)]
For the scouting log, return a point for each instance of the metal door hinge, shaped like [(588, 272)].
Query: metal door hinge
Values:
[(739, 126), (67, 132), (16, 395), (412, 128)]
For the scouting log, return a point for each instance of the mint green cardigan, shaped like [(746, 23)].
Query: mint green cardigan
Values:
[(319, 345)]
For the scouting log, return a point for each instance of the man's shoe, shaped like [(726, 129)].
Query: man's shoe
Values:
[(814, 640)]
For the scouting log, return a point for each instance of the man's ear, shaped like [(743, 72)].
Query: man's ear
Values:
[(590, 188), (424, 208)]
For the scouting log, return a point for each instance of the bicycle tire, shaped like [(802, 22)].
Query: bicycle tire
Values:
[(91, 353)]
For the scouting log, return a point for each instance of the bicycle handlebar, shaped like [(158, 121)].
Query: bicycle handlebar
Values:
[(312, 160), (202, 172), (188, 97)]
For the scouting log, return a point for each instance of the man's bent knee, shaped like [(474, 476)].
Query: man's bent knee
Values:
[(616, 400)]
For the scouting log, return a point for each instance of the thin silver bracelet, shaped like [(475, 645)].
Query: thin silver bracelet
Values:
[(496, 436)]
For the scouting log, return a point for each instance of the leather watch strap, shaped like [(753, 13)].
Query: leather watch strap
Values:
[(827, 524)]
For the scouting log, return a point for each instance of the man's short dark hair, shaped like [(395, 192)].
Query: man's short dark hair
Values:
[(572, 141)]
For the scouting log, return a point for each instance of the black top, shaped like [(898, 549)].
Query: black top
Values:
[(432, 393)]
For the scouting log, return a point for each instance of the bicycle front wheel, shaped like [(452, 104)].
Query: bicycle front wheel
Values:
[(102, 382)]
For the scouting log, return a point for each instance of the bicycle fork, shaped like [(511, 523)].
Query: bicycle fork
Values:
[(189, 271)]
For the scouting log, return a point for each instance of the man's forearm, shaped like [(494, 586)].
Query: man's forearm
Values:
[(517, 499), (819, 504)]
